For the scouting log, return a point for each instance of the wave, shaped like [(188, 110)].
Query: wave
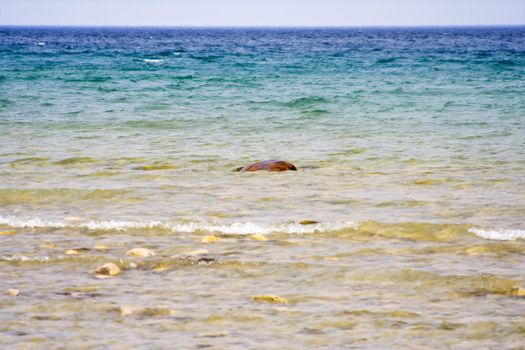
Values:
[(409, 230), (236, 228), (306, 101), (386, 60), (498, 235), (150, 60)]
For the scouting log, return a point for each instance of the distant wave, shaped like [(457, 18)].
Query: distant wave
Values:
[(149, 60), (386, 60), (306, 101), (498, 235)]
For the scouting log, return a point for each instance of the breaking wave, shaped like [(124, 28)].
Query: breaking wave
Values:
[(410, 230), (238, 228)]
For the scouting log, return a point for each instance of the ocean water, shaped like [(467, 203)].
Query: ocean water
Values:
[(410, 149)]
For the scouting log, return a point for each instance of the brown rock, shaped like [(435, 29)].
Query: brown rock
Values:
[(269, 165)]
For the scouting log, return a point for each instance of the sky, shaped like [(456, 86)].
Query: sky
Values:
[(262, 12)]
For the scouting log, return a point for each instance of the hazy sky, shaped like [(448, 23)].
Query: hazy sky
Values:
[(262, 12)]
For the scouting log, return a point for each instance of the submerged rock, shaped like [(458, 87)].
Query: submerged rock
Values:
[(270, 299), (48, 245), (269, 165), (518, 292), (76, 251), (145, 312), (308, 222), (106, 270), (209, 239), (258, 237), (13, 292), (143, 252)]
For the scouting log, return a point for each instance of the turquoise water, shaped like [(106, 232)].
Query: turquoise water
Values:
[(411, 154)]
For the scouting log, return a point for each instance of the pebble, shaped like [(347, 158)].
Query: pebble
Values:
[(100, 247), (71, 252), (209, 239), (106, 270), (143, 252), (13, 292)]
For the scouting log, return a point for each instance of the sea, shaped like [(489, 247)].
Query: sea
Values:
[(403, 227)]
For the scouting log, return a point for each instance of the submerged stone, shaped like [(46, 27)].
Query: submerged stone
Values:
[(106, 270), (270, 299), (13, 292), (308, 222), (76, 251), (518, 292), (144, 312), (142, 252), (269, 165), (258, 237), (209, 239), (48, 245)]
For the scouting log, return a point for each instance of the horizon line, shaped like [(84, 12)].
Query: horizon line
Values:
[(267, 26)]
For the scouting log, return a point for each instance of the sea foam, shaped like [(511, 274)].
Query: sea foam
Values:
[(498, 235)]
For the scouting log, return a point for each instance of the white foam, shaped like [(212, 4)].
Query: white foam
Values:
[(14, 221), (246, 228), (121, 225), (147, 60), (498, 235), (240, 228), (23, 258)]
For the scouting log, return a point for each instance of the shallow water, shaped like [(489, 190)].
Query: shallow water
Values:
[(411, 158)]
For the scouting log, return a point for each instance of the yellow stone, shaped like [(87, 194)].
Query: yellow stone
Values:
[(13, 292), (100, 247), (143, 252), (72, 252), (270, 299), (106, 270), (7, 232), (209, 239), (258, 237)]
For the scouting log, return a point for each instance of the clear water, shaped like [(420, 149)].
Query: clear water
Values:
[(411, 154)]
